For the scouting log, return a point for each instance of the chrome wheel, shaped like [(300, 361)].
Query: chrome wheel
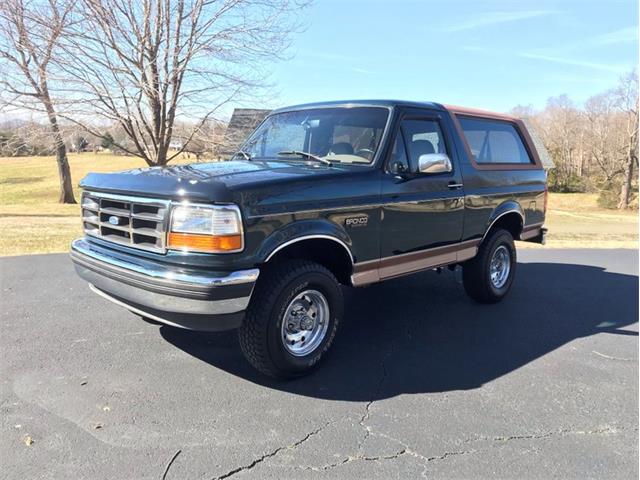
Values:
[(305, 323), (500, 266)]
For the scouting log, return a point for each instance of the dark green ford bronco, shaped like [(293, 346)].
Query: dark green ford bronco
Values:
[(319, 197)]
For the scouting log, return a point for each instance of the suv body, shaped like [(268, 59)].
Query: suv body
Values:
[(320, 195)]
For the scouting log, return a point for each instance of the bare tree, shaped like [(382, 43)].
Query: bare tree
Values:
[(627, 102), (148, 64), (30, 32), (559, 125), (594, 146), (204, 143), (601, 131)]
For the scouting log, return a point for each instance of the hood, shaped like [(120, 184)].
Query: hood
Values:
[(216, 181)]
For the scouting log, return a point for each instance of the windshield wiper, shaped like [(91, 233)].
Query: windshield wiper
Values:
[(308, 155), (243, 153)]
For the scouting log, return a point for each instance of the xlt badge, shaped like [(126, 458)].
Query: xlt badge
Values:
[(359, 221)]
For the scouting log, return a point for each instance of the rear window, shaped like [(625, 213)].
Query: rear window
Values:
[(494, 141)]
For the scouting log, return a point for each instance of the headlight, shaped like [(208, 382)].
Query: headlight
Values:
[(206, 228)]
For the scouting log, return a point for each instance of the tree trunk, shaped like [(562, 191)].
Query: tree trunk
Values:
[(66, 187), (625, 193), (64, 172), (162, 158)]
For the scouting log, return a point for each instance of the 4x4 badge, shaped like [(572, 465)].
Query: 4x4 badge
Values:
[(360, 221)]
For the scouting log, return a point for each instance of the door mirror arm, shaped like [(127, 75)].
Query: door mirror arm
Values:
[(399, 169)]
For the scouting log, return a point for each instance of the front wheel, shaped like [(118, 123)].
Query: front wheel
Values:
[(292, 319), (488, 277)]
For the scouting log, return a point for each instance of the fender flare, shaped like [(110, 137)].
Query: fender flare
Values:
[(304, 230), (500, 211)]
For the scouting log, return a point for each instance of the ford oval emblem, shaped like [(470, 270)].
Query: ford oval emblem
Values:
[(113, 220)]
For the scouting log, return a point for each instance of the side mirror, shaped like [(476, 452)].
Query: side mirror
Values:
[(434, 163)]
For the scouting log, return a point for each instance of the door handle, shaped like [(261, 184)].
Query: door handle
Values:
[(454, 186)]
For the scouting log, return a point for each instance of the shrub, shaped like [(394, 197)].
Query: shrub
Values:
[(608, 199), (107, 141), (610, 195), (566, 184)]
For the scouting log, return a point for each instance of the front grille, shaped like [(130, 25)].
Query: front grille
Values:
[(132, 221)]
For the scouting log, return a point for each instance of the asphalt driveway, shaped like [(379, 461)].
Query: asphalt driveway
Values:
[(421, 382)]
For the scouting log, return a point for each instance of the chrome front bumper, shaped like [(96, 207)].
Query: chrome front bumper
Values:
[(183, 297)]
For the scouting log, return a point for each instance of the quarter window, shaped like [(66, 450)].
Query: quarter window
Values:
[(494, 141)]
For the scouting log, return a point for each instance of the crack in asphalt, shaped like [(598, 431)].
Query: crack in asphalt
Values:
[(536, 436), (350, 459), (367, 408), (273, 453), (408, 451), (369, 430), (383, 377), (449, 454), (404, 451)]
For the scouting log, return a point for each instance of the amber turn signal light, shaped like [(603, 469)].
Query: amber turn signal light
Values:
[(204, 243)]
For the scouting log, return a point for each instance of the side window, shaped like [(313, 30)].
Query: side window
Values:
[(399, 153), (415, 138), (422, 137), (494, 141)]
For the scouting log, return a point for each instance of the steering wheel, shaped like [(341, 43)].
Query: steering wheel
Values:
[(364, 152)]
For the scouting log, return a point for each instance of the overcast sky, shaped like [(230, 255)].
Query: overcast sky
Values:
[(489, 54)]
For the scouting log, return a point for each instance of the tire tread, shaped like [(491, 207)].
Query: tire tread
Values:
[(253, 332), (474, 278)]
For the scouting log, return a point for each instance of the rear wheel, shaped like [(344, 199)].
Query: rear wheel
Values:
[(292, 319), (488, 277)]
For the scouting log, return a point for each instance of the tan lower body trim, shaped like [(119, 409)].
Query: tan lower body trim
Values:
[(390, 267)]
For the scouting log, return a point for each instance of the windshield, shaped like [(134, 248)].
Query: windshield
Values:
[(341, 134)]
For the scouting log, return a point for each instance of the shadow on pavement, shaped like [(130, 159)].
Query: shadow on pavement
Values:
[(423, 334)]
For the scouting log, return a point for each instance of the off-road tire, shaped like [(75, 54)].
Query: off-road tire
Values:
[(260, 334), (476, 276)]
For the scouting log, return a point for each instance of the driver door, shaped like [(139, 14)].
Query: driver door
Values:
[(422, 213)]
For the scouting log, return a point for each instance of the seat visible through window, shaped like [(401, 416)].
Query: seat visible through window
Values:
[(423, 137), (342, 148)]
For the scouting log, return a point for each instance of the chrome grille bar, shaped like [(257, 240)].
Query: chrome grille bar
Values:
[(136, 222)]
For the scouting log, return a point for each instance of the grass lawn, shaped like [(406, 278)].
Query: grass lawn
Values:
[(575, 220), (33, 222), (31, 219)]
